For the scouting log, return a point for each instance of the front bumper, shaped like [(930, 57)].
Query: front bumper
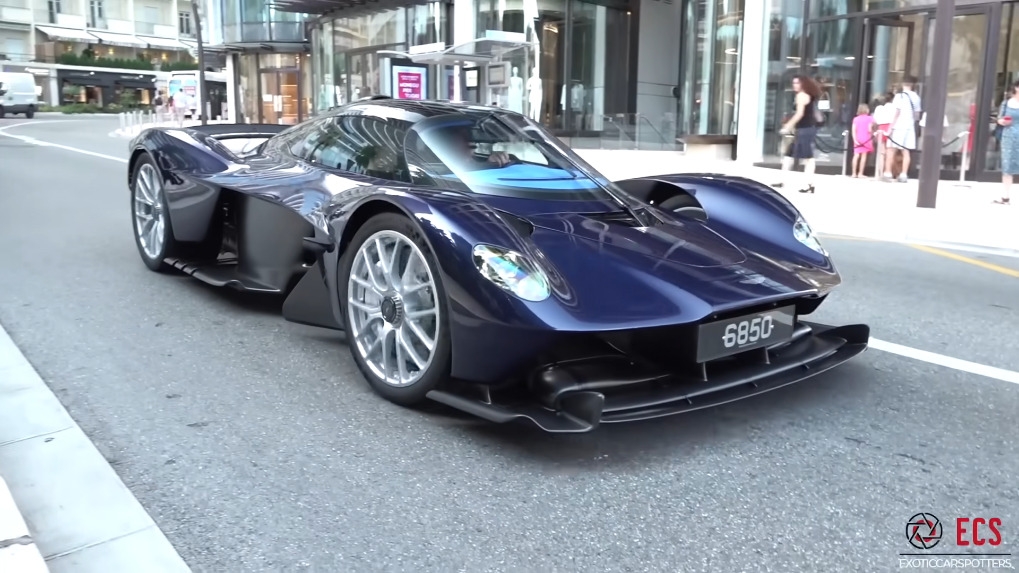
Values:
[(578, 396)]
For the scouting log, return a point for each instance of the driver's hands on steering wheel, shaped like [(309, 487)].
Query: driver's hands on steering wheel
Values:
[(500, 158)]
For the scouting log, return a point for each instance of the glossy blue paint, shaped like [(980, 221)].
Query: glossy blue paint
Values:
[(605, 276)]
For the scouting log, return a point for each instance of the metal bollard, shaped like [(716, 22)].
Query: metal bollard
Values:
[(845, 150), (965, 156)]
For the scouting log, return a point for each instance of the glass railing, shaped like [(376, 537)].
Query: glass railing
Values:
[(264, 32), (632, 131)]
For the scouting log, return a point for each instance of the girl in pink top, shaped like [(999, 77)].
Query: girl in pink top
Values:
[(863, 139)]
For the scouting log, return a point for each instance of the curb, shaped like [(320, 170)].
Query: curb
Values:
[(84, 517), (18, 552)]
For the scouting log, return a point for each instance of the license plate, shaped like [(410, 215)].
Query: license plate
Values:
[(734, 335)]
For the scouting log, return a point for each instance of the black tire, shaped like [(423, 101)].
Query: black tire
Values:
[(30, 112), (2, 112), (683, 204), (437, 372), (170, 246)]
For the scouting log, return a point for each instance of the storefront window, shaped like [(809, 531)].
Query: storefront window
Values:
[(785, 33), (379, 29), (247, 88), (710, 75), (599, 66), (323, 82), (427, 23), (534, 81)]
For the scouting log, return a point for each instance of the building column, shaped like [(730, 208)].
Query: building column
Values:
[(463, 31), (231, 88), (55, 95), (753, 72)]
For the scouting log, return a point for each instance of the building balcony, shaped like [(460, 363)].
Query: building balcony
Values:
[(15, 14), (153, 29), (60, 20)]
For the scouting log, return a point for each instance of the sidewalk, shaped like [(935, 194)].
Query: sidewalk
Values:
[(965, 215), (18, 553), (74, 514)]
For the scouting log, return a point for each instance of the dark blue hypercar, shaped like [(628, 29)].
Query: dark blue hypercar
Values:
[(474, 260)]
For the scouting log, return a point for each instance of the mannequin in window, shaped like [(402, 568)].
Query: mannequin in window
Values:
[(534, 95), (576, 111), (516, 92)]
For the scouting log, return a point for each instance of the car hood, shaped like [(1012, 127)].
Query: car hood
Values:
[(689, 243), (612, 276)]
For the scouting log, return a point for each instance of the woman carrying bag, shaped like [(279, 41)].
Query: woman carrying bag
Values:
[(1007, 133)]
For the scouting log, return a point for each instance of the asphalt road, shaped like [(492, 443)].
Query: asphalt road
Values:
[(255, 445)]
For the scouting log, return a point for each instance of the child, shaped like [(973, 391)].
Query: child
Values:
[(863, 139), (883, 116)]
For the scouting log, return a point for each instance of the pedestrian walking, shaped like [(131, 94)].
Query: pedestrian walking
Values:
[(159, 106), (902, 138), (1008, 134), (803, 126), (863, 139), (180, 105)]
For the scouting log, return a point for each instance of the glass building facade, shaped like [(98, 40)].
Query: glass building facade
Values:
[(669, 74), (602, 73), (860, 50), (268, 61)]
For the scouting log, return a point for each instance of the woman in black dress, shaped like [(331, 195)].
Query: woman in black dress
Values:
[(803, 125)]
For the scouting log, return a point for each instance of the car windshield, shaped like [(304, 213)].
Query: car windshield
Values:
[(493, 153)]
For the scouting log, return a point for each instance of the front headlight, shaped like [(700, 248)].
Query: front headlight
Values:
[(805, 235), (512, 272)]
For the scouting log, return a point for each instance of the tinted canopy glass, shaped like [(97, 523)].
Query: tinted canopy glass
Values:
[(501, 154)]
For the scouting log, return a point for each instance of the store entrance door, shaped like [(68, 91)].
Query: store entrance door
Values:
[(890, 49), (281, 95), (889, 46)]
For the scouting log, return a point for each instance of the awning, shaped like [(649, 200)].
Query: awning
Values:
[(168, 43), (189, 44), (126, 40), (494, 44), (67, 34)]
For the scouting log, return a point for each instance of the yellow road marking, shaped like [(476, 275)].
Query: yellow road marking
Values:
[(962, 259)]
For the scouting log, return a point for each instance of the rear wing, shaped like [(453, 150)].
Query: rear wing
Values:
[(221, 131), (242, 139)]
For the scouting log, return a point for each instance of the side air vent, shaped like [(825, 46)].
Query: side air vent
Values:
[(522, 226), (616, 218)]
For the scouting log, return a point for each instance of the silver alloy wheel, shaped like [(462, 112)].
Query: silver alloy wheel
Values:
[(392, 308), (149, 216)]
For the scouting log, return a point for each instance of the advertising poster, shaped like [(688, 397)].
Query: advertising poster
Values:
[(410, 82)]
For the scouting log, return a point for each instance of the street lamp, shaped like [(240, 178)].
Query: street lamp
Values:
[(196, 11)]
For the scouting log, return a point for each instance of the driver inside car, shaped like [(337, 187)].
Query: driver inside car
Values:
[(458, 141)]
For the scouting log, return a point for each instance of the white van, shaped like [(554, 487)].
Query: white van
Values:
[(17, 94)]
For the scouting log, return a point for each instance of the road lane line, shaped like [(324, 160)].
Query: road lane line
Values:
[(968, 260), (946, 361), (34, 141)]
